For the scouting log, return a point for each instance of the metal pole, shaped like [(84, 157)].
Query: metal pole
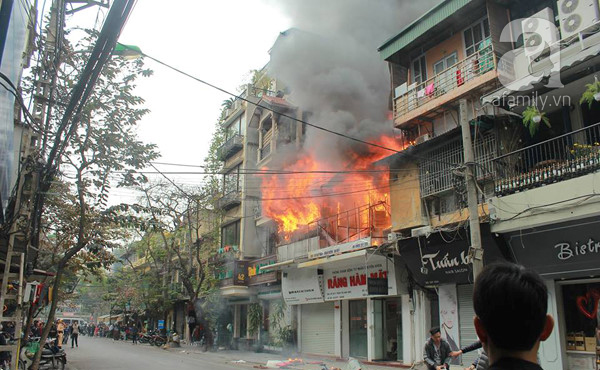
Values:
[(476, 250)]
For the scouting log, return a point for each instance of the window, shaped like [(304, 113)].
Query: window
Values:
[(266, 138), (419, 70), (237, 127), (445, 63), (580, 310), (233, 180), (474, 35), (230, 234)]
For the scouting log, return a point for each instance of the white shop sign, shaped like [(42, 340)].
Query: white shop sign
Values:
[(340, 248), (351, 282), (302, 286)]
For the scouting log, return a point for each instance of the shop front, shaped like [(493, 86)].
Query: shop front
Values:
[(266, 284), (440, 266), (350, 305), (567, 255)]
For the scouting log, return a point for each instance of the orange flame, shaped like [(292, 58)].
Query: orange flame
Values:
[(295, 200)]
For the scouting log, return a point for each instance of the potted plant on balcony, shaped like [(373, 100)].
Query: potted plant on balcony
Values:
[(532, 118), (591, 94)]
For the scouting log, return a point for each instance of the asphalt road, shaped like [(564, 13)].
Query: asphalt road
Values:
[(104, 354)]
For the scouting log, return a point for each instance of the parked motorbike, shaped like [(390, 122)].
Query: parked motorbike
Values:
[(53, 357), (144, 338), (158, 340)]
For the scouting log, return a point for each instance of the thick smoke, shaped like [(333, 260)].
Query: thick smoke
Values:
[(330, 63)]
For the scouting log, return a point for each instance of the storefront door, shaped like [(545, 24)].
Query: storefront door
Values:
[(358, 328), (243, 321), (393, 329)]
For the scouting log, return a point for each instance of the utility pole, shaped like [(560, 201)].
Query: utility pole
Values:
[(476, 250)]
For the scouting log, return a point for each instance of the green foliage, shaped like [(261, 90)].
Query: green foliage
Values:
[(284, 334), (588, 95), (255, 315), (529, 122), (228, 103), (261, 80), (79, 230)]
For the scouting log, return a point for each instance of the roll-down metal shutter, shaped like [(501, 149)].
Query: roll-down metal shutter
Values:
[(465, 318), (317, 329)]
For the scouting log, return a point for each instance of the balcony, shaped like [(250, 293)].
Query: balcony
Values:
[(565, 157), (229, 200), (233, 145), (448, 85), (233, 279)]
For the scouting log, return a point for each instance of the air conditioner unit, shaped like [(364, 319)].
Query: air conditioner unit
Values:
[(539, 31), (421, 139), (576, 15), (420, 231)]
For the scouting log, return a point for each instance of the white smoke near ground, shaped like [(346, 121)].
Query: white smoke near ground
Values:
[(330, 63)]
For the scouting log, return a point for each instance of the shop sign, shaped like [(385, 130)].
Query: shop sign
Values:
[(255, 273), (351, 282), (440, 259), (572, 247), (340, 248), (302, 286), (377, 286), (234, 273)]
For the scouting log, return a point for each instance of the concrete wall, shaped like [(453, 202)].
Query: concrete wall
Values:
[(444, 49), (559, 202), (405, 198)]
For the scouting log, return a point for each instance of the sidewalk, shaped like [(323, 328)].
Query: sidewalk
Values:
[(250, 360)]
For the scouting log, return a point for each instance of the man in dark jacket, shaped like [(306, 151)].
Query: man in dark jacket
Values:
[(437, 351), (511, 305)]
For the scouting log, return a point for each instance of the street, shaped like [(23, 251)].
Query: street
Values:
[(102, 353)]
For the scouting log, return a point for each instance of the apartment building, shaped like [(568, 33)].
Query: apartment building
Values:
[(515, 71), (254, 134)]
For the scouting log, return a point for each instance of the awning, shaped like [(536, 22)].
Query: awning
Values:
[(569, 57), (335, 260), (277, 266)]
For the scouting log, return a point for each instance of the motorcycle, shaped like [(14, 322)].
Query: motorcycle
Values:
[(158, 340), (144, 338), (53, 357)]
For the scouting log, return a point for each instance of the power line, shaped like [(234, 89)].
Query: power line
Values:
[(333, 132)]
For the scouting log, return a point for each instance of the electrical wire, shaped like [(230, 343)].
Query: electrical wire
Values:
[(516, 215), (282, 114)]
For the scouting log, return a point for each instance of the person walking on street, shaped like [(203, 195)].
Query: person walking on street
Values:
[(511, 315), (60, 330), (74, 334), (66, 334), (437, 351), (134, 334)]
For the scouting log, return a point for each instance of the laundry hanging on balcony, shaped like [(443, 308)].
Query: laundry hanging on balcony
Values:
[(430, 89)]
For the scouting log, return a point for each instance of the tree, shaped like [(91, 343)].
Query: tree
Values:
[(101, 149)]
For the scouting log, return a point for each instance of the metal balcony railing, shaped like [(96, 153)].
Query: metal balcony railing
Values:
[(233, 145), (229, 200), (574, 154), (368, 221), (449, 79)]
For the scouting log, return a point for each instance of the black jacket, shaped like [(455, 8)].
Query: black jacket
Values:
[(429, 352)]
